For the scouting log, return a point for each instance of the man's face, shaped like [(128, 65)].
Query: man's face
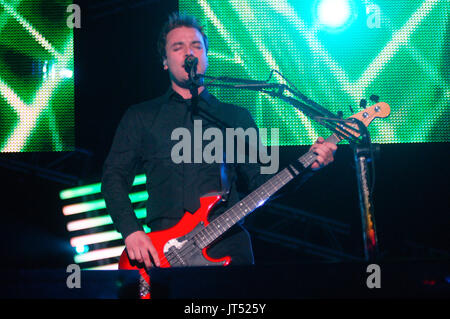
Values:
[(180, 43)]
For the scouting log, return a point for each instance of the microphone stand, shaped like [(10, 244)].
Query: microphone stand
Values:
[(196, 81), (363, 155), (193, 88), (361, 143)]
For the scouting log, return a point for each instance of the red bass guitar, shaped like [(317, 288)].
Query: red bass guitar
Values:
[(185, 244)]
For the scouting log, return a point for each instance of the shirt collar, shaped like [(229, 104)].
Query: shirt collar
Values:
[(205, 96)]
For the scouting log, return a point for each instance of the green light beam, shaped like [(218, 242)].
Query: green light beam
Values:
[(92, 222), (4, 15), (223, 32), (235, 45), (94, 188), (99, 204), (28, 115), (317, 49), (414, 53), (241, 6), (33, 32), (399, 38)]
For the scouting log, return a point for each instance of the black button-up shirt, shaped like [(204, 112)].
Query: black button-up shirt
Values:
[(143, 141)]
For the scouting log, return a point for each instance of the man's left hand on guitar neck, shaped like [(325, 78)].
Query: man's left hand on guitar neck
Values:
[(325, 153)]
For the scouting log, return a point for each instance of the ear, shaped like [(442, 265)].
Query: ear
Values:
[(165, 64)]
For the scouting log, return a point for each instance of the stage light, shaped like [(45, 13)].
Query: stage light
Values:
[(92, 244), (93, 188), (99, 204), (66, 73), (93, 222), (81, 249), (84, 240), (99, 254), (36, 113), (333, 13)]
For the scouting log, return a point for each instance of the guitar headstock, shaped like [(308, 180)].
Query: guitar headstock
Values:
[(380, 109), (366, 116)]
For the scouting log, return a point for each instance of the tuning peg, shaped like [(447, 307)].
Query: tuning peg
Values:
[(351, 109), (363, 103), (374, 98)]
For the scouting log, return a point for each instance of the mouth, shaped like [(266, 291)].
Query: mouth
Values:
[(186, 68)]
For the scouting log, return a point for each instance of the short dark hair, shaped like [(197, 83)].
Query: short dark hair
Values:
[(177, 20)]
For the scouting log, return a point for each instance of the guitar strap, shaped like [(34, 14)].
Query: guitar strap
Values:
[(225, 181)]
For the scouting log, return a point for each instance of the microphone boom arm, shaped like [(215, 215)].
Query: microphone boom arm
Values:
[(308, 107)]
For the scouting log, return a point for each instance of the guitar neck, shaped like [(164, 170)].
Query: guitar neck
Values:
[(256, 198), (310, 157)]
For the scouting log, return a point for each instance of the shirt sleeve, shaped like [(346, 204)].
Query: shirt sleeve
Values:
[(119, 171), (250, 173)]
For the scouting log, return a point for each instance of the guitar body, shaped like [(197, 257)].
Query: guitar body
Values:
[(176, 246)]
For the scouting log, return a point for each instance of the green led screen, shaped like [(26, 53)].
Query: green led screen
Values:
[(36, 76), (336, 52)]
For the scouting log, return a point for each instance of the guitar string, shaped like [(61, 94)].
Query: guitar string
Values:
[(309, 155), (174, 256), (171, 257), (277, 183)]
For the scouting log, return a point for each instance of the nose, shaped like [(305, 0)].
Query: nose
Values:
[(189, 51)]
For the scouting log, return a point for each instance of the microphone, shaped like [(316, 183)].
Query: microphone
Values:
[(190, 65)]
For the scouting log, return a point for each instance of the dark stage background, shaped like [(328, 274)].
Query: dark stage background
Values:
[(116, 65)]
